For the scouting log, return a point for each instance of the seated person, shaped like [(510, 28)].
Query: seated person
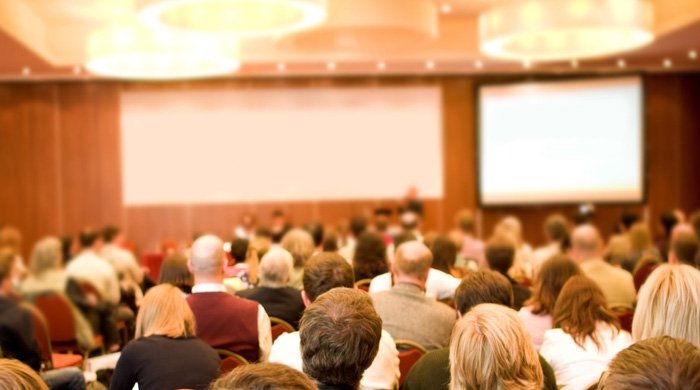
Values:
[(264, 376), (369, 257), (500, 255), (274, 295), (166, 354), (174, 271), (340, 334), (16, 375), (245, 264)]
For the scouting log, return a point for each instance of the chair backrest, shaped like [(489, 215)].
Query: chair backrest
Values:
[(625, 318), (153, 262), (279, 326), (409, 353), (643, 270), (230, 360), (59, 317), (41, 334), (363, 284), (89, 289)]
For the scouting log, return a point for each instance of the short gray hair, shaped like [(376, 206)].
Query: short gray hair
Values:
[(276, 268)]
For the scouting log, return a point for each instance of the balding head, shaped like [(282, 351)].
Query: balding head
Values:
[(276, 268), (207, 258), (412, 262), (586, 243)]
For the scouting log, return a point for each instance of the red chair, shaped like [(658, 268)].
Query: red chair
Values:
[(89, 289), (59, 317), (49, 360), (363, 284), (409, 354), (624, 313), (230, 360), (153, 261), (644, 268), (279, 326)]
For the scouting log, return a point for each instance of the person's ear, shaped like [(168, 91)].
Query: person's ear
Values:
[(304, 298), (189, 266), (459, 314)]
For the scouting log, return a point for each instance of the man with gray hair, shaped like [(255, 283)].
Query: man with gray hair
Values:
[(224, 320), (278, 299), (587, 249), (405, 310)]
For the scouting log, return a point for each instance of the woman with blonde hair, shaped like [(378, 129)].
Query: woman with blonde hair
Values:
[(641, 244), (587, 335), (491, 350), (165, 354), (16, 375), (669, 305), (300, 244)]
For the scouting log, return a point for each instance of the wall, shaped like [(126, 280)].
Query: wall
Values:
[(60, 166)]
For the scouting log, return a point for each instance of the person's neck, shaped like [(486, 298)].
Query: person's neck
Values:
[(409, 280), (209, 280)]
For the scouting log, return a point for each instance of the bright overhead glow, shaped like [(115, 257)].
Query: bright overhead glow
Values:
[(527, 64), (242, 18), (552, 30), (693, 55), (139, 53)]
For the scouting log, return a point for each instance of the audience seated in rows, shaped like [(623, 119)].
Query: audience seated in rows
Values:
[(323, 272), (124, 262), (511, 227), (218, 312), (274, 295), (444, 253), (300, 245), (340, 334), (432, 322), (472, 249), (165, 354), (586, 335), (500, 256), (264, 376), (242, 272)]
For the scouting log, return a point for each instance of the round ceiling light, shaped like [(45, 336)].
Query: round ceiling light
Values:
[(140, 53), (552, 30), (242, 18), (369, 25)]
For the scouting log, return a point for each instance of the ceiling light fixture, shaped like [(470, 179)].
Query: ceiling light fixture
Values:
[(131, 52), (551, 30), (242, 18)]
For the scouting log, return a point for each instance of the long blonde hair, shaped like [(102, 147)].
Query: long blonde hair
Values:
[(669, 304), (492, 350), (164, 311)]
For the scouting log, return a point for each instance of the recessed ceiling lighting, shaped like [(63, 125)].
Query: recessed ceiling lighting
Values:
[(621, 63), (77, 70), (527, 64), (281, 66), (381, 65), (430, 65), (446, 8), (574, 64), (478, 64), (330, 65), (26, 71), (668, 63), (693, 55)]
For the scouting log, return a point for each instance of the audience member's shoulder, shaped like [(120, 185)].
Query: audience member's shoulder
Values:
[(247, 293)]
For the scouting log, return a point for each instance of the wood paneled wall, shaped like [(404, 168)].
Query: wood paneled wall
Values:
[(60, 162)]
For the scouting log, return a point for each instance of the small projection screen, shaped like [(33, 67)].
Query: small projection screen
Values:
[(561, 142)]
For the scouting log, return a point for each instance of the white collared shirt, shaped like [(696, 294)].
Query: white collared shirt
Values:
[(439, 285)]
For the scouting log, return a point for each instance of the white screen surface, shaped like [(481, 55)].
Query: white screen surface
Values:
[(221, 146), (561, 142)]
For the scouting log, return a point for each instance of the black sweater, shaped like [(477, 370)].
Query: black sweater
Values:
[(17, 334)]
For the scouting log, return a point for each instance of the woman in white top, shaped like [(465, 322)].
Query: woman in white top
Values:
[(587, 335), (537, 312)]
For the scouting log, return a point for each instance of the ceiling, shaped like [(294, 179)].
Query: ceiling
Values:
[(45, 39)]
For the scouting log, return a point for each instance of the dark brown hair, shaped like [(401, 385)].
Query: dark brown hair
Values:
[(325, 271), (174, 271), (340, 335), (444, 254), (553, 274), (685, 247), (500, 254), (483, 287), (264, 376), (369, 259), (581, 304)]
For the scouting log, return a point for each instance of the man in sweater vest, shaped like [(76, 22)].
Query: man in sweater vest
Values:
[(224, 320)]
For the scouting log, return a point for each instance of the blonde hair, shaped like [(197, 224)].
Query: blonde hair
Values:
[(492, 350), (669, 304), (46, 255), (640, 237), (18, 376), (300, 244), (165, 312)]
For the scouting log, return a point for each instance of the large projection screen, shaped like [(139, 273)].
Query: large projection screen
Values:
[(561, 142), (195, 146)]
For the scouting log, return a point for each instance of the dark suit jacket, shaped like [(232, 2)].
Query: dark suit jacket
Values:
[(520, 293), (17, 334), (284, 303)]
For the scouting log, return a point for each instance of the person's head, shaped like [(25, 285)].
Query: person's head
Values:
[(358, 225), (617, 250), (90, 239), (483, 287), (340, 335), (7, 270), (111, 234), (248, 221), (695, 223), (556, 227), (165, 312), (370, 254), (444, 253), (586, 243), (403, 237), (68, 247), (330, 242), (261, 244), (47, 255), (278, 218), (316, 231), (207, 259), (580, 306), (16, 375), (381, 219), (264, 376), (429, 238), (500, 253), (684, 249), (668, 304), (640, 237), (660, 363), (465, 221), (410, 221), (668, 220), (300, 244), (323, 272), (510, 226), (552, 276), (174, 271), (276, 268), (627, 219), (239, 249), (412, 263), (10, 238), (492, 349)]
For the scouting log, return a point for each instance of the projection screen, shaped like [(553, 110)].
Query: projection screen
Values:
[(561, 142), (193, 146)]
